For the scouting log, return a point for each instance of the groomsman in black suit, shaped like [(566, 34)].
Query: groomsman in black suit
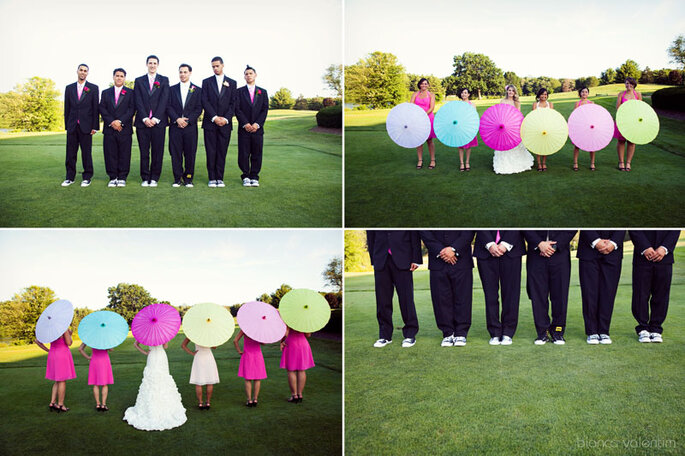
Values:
[(81, 120), (451, 280), (498, 254), (251, 111), (152, 98), (394, 256), (185, 106), (219, 99), (117, 107), (548, 271), (600, 253), (652, 272)]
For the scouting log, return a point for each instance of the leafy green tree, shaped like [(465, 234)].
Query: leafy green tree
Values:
[(265, 297), (129, 84), (127, 299), (276, 296), (434, 82), (477, 73), (608, 76), (647, 76), (301, 103), (333, 78), (334, 299), (234, 309), (356, 254), (11, 105), (677, 51), (567, 85), (40, 108), (661, 76), (378, 81), (532, 85), (19, 315), (629, 69), (675, 77), (283, 99), (315, 104), (333, 273)]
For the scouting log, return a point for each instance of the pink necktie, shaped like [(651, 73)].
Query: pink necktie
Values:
[(80, 91), (497, 238), (389, 252), (252, 96), (116, 97), (150, 116)]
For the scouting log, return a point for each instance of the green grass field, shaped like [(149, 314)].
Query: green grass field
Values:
[(275, 427), (520, 399), (301, 184), (383, 188)]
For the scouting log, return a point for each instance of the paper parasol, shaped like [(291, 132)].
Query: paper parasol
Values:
[(590, 127), (544, 131), (103, 329), (304, 310), (156, 324), (408, 125), (637, 122), (261, 322), (456, 123), (500, 127), (54, 321), (208, 324)]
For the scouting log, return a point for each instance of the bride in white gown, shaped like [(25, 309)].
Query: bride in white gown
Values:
[(158, 405), (518, 159)]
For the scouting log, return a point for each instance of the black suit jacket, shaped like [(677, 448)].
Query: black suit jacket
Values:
[(155, 100), (644, 239), (587, 237), (81, 113), (513, 237), (122, 111), (191, 110), (251, 112), (219, 104), (459, 240), (405, 247), (562, 237)]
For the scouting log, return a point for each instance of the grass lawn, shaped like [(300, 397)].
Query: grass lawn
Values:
[(383, 188), (625, 398), (301, 184), (275, 427)]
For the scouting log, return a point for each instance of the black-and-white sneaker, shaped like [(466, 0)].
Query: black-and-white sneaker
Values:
[(153, 183), (643, 337), (112, 183), (494, 341), (380, 343), (541, 340), (656, 338), (447, 342), (459, 341), (176, 184), (558, 338), (408, 342), (506, 340), (189, 184), (85, 183), (246, 182), (593, 339), (121, 182), (211, 184), (604, 339), (145, 184), (67, 182), (220, 184), (254, 183)]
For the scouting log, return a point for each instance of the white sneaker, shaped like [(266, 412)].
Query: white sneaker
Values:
[(246, 182), (153, 183), (382, 343), (189, 185), (408, 342), (121, 183), (112, 183), (67, 183), (220, 183), (211, 184), (459, 341), (604, 339), (85, 183), (656, 337), (447, 342), (494, 341), (254, 182), (506, 340), (643, 337), (145, 184), (593, 339), (176, 184)]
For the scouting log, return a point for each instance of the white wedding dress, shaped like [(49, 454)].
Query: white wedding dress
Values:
[(158, 405), (514, 160)]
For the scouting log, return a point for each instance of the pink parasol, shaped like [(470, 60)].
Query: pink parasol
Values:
[(590, 127), (156, 324), (261, 322), (500, 127)]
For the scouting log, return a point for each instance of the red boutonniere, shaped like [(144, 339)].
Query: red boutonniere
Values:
[(86, 89), (259, 92), (192, 89), (156, 84), (123, 92)]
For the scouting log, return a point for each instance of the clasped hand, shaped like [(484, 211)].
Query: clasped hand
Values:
[(448, 256), (655, 255), (604, 246), (497, 250), (546, 249)]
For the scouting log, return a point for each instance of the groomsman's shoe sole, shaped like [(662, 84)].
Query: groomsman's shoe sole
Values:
[(604, 339), (189, 185), (176, 184), (247, 182), (447, 342), (593, 339), (153, 183), (67, 183), (254, 183), (211, 184), (121, 183), (494, 341), (506, 341), (220, 184)]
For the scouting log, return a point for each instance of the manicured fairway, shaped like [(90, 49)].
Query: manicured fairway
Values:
[(301, 185), (274, 427), (383, 188), (619, 399)]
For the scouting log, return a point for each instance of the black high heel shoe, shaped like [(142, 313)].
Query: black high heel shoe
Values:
[(52, 407), (292, 399), (299, 399), (62, 408)]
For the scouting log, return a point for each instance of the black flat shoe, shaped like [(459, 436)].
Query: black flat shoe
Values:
[(468, 167), (419, 165), (98, 408), (299, 399), (462, 168)]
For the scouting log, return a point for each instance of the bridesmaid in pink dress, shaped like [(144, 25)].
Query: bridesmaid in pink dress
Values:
[(426, 100), (99, 375), (464, 95), (59, 369), (296, 359), (583, 93), (629, 94), (251, 368)]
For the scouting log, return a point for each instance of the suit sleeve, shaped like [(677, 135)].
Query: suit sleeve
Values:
[(370, 238), (416, 248), (94, 108), (210, 112), (107, 117), (485, 236), (67, 105), (564, 237), (618, 237), (197, 107), (240, 115), (171, 110), (639, 240), (533, 238), (463, 240), (433, 245), (127, 118), (671, 240), (588, 236), (265, 109), (140, 104)]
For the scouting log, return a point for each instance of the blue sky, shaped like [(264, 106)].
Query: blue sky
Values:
[(536, 38), (184, 266), (289, 43)]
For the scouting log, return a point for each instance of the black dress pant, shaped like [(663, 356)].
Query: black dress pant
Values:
[(117, 151), (598, 285), (216, 147), (183, 147), (452, 296), (76, 139), (549, 278), (250, 147), (651, 290), (151, 143), (507, 272), (387, 280)]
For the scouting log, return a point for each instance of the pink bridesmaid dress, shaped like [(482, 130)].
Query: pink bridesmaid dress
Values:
[(425, 104), (60, 362), (297, 354), (100, 370), (474, 141), (617, 134), (252, 361)]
